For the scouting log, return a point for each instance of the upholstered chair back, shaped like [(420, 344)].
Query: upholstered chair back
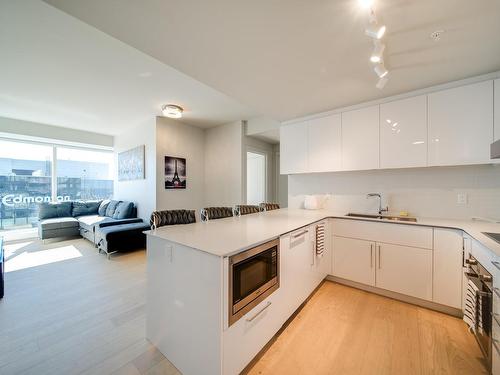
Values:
[(172, 217), (245, 209), (269, 206), (212, 213)]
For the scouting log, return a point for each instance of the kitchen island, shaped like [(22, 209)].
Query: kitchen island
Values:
[(188, 281)]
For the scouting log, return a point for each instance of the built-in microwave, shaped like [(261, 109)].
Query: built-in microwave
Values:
[(253, 275)]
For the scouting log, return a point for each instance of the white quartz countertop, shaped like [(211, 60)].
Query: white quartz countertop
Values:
[(224, 237)]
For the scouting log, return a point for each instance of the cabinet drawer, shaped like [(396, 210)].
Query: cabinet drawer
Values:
[(245, 338), (398, 234)]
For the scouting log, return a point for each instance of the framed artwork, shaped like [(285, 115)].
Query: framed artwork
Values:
[(175, 173), (131, 164)]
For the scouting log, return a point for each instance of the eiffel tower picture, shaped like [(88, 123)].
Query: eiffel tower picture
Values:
[(175, 173)]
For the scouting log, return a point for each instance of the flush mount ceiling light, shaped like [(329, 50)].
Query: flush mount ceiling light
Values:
[(172, 111), (381, 70), (377, 53)]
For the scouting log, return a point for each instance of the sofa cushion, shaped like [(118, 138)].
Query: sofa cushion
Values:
[(110, 210), (58, 223), (88, 222), (48, 210), (81, 208), (102, 207), (123, 210)]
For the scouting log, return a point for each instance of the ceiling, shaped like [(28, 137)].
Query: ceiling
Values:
[(290, 58), (58, 70)]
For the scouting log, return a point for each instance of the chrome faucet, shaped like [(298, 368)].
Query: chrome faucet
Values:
[(380, 209)]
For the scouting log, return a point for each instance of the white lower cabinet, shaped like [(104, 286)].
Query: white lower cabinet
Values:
[(404, 269), (354, 260), (447, 272)]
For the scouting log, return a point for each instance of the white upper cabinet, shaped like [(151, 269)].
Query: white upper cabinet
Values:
[(403, 133), (324, 144), (293, 148), (360, 139), (461, 125), (497, 109)]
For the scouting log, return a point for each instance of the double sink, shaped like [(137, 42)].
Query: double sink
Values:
[(384, 217)]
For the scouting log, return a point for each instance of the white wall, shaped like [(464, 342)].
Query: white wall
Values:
[(257, 125), (143, 191), (256, 145), (425, 192), (256, 178), (224, 165), (33, 130), (179, 139)]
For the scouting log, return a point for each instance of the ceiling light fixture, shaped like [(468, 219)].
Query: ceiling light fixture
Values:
[(381, 70), (172, 111), (381, 83), (378, 52), (366, 4)]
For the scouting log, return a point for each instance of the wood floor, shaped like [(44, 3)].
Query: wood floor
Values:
[(86, 315), (346, 331)]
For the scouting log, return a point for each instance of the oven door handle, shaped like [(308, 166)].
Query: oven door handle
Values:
[(260, 312)]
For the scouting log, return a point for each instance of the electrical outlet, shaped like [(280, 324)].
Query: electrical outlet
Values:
[(462, 198)]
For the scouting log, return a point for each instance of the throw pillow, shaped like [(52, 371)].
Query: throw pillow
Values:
[(48, 210), (102, 207), (81, 208), (110, 210), (123, 210)]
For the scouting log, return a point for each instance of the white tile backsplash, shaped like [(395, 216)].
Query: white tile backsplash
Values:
[(426, 192)]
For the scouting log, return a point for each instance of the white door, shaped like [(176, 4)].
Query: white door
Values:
[(447, 272), (256, 178), (360, 139), (403, 269), (461, 125), (324, 144), (293, 148), (403, 133), (497, 109), (354, 260)]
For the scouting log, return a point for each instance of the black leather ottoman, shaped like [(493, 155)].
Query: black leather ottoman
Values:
[(123, 237)]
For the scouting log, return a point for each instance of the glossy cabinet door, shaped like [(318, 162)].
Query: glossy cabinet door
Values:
[(461, 125), (360, 139), (497, 109), (354, 260), (403, 133), (293, 148), (447, 267), (300, 267), (403, 269), (324, 144)]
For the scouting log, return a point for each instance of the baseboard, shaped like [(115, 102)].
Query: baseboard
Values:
[(398, 296)]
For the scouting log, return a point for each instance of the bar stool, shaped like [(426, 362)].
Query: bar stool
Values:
[(172, 217), (212, 213), (269, 206), (246, 209)]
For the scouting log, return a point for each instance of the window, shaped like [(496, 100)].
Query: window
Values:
[(256, 178), (26, 171), (84, 174)]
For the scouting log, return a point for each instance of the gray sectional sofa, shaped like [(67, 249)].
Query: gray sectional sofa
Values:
[(85, 218)]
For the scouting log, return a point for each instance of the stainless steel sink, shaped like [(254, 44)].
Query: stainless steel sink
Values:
[(384, 217)]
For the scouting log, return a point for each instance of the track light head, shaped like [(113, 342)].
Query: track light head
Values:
[(381, 70), (378, 52), (381, 83), (375, 31)]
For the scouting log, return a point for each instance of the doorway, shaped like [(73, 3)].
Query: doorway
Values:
[(256, 177)]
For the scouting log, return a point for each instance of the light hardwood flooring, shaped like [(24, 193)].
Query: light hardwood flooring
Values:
[(86, 315), (346, 331)]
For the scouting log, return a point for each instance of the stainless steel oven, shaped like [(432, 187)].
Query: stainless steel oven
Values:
[(253, 275), (479, 304)]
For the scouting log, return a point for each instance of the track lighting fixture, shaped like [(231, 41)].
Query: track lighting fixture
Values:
[(378, 52), (381, 70), (381, 83), (366, 4), (375, 31)]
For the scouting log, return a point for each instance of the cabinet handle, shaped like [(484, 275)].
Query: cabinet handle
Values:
[(371, 255), (495, 344), (260, 312), (379, 258), (497, 292), (496, 264), (299, 234)]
